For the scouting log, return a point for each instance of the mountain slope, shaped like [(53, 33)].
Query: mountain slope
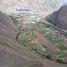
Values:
[(13, 54), (59, 18)]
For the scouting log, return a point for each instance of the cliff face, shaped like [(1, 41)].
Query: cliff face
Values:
[(36, 6)]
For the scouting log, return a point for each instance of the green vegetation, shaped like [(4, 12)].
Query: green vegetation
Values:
[(61, 47), (44, 52), (14, 18), (47, 31), (26, 42), (54, 38)]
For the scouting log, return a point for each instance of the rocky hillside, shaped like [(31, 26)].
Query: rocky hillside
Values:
[(59, 18), (36, 6)]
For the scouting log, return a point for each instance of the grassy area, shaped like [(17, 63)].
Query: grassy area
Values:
[(26, 42), (50, 34)]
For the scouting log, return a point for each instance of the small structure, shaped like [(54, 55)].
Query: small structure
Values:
[(20, 9)]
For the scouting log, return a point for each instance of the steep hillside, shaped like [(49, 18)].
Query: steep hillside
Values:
[(13, 54), (59, 18), (30, 45)]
